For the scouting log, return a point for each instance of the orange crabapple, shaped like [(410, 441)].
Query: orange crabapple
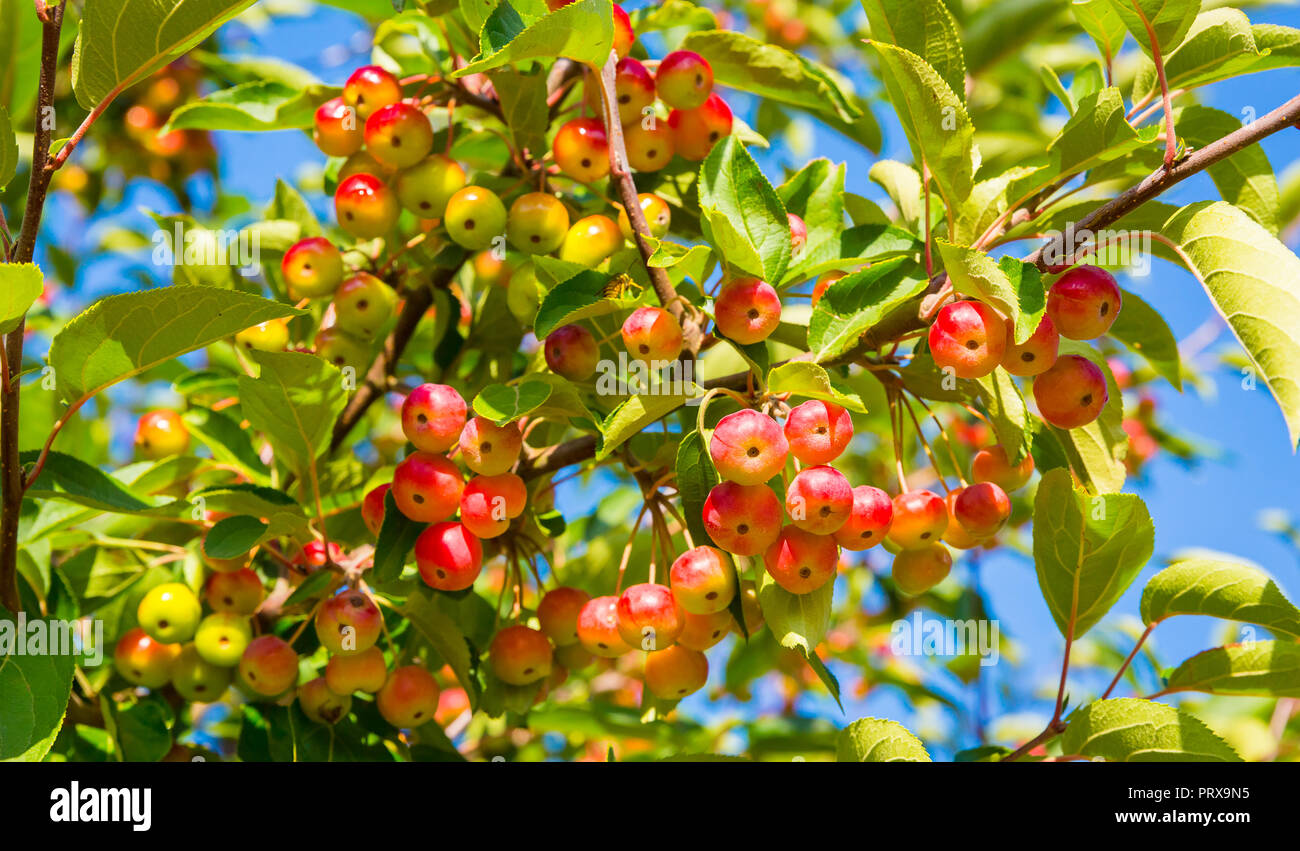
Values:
[(992, 464), (982, 509), (427, 487), (590, 241), (558, 614), (652, 334), (800, 561), (409, 697), (1072, 393), (798, 234), (696, 131), (1084, 302), (649, 145), (337, 129), (520, 655), (684, 79), (704, 631), (321, 704), (703, 580), (238, 591), (956, 535), (144, 661), (370, 88), (364, 671), (968, 337), (658, 216), (161, 433), (676, 672), (490, 449), (917, 571), (365, 207), (920, 518), (1035, 355), (581, 150), (571, 351), (269, 665)]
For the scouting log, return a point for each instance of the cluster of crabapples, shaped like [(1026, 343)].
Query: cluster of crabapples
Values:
[(971, 339)]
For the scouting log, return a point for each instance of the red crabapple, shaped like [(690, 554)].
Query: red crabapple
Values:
[(365, 206), (161, 433), (520, 655), (982, 509), (634, 89), (748, 447), (409, 697), (1035, 355), (696, 131), (433, 416), (337, 129), (920, 518), (348, 623), (684, 79), (144, 661), (426, 187), (652, 334), (742, 519), (676, 672), (1084, 302), (969, 337), (1072, 393), (239, 591), (319, 703), (590, 241), (704, 631), (798, 234), (269, 666), (537, 223), (649, 148), (991, 464), (598, 628), (624, 35), (372, 508), (800, 561), (747, 310), (581, 150), (558, 614), (475, 217), (956, 535), (490, 449), (819, 499), (370, 88), (313, 555), (703, 580), (364, 671), (649, 616), (818, 432), (869, 521), (572, 352), (917, 571), (427, 487), (449, 556)]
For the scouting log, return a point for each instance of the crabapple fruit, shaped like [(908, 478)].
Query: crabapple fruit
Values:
[(269, 336), (991, 464), (798, 234), (652, 334), (370, 88), (658, 216), (169, 613), (364, 671), (269, 666), (1084, 302), (362, 162), (558, 614), (749, 607), (537, 223), (449, 556), (490, 449), (573, 657), (748, 447), (321, 704), (1072, 393), (342, 349), (474, 217), (982, 509), (221, 638), (590, 241), (676, 672), (819, 499), (801, 561), (196, 679), (703, 580), (409, 697), (917, 571), (365, 206), (427, 487), (372, 508), (747, 310), (520, 655), (362, 304), (742, 519), (696, 131), (818, 432), (968, 337), (598, 629), (704, 631), (426, 187), (312, 268), (649, 616), (571, 351), (649, 148), (956, 535), (505, 494), (433, 416), (348, 623), (1035, 355), (337, 129), (684, 79), (239, 591), (581, 150), (634, 89), (161, 433), (314, 555), (920, 518), (142, 661), (869, 521), (624, 35)]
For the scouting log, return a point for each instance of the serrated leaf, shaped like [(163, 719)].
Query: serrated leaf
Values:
[(1251, 668), (446, 638), (231, 537), (855, 303), (294, 401), (35, 686), (576, 298), (396, 538), (20, 285), (1223, 589), (1015, 288), (878, 740), (815, 193), (797, 621), (1244, 179), (505, 403), (252, 107), (1100, 22), (634, 414), (1144, 331), (582, 31), (229, 443), (926, 28), (738, 200), (1128, 729), (70, 478), (1168, 19), (1087, 549), (812, 381), (902, 184), (1007, 412)]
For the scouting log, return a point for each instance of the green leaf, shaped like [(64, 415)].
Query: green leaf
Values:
[(36, 686), (1097, 133), (738, 202), (523, 104), (121, 43), (812, 381), (1087, 550), (695, 478), (1252, 668), (294, 401), (446, 638), (855, 303), (1220, 588), (797, 621), (927, 29), (1254, 282), (396, 538), (69, 478), (1143, 330), (579, 297), (988, 201), (229, 443), (1168, 19), (141, 729), (1015, 288), (815, 193), (878, 740), (1007, 29), (8, 150), (231, 537), (249, 107), (289, 205), (20, 285), (1128, 729), (315, 585), (634, 414), (505, 403), (902, 184), (1100, 21), (1220, 44), (123, 335), (1007, 412), (935, 120), (582, 31), (1244, 179)]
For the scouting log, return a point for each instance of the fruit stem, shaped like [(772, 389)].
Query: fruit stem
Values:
[(925, 444), (947, 441), (686, 532), (1171, 140), (896, 425), (627, 550), (1127, 661)]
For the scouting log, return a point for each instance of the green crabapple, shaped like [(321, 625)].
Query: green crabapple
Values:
[(222, 637), (658, 216), (537, 223), (800, 561), (742, 519), (703, 580), (649, 616), (449, 556), (747, 310), (590, 241), (343, 350), (362, 304), (818, 432), (426, 187), (269, 336), (312, 268), (169, 613), (474, 218), (427, 487), (748, 447), (198, 680)]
